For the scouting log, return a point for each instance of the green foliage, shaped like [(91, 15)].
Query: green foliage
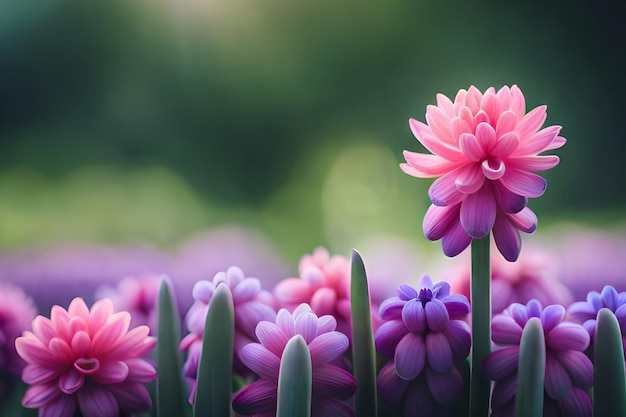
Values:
[(295, 380), (532, 364), (609, 387)]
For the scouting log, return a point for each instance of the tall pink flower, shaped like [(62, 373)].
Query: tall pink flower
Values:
[(485, 151), (86, 359)]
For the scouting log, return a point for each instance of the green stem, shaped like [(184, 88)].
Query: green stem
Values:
[(480, 386), (295, 380), (609, 385), (532, 365)]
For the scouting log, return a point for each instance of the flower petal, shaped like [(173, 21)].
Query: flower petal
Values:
[(551, 316), (71, 381), (507, 200), (391, 388), (246, 290), (486, 136), (444, 191), (505, 330), (132, 397), (478, 212), (470, 146), (440, 124), (327, 347), (258, 397), (469, 179), (534, 163), (438, 219), (391, 308), (557, 381), (459, 336), (501, 363), (455, 240), (410, 356), (414, 316), (332, 381), (97, 402), (140, 370), (438, 351), (531, 122), (38, 395), (436, 315), (260, 360), (523, 183), (578, 366), (271, 337), (446, 387), (507, 238), (111, 372), (62, 406), (506, 123), (388, 336), (538, 142), (568, 336)]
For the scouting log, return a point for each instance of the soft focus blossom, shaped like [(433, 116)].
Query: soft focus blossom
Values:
[(568, 374), (251, 304), (425, 334), (533, 276), (86, 359), (17, 311), (585, 312), (332, 385), (485, 151), (138, 296)]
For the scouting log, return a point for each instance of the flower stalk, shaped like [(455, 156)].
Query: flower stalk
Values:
[(609, 388), (532, 363), (480, 294), (295, 380)]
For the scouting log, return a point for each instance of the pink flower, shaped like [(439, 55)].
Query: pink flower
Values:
[(332, 385), (485, 151), (86, 359)]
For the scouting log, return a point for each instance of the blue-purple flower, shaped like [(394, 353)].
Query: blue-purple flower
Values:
[(568, 373), (425, 334)]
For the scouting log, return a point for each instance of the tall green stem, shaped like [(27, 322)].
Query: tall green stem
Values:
[(480, 386)]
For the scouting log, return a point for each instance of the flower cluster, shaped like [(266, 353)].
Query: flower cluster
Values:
[(568, 373), (425, 334), (485, 149)]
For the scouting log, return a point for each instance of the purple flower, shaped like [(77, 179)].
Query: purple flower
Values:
[(568, 374), (425, 335), (585, 312), (251, 306), (332, 385)]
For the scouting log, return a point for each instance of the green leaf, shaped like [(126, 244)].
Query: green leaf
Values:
[(363, 350), (530, 377), (215, 375), (295, 380), (170, 390), (609, 387)]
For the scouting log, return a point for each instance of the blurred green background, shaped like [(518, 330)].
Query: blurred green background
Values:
[(150, 120)]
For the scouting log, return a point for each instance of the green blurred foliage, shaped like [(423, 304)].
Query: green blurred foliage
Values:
[(274, 112)]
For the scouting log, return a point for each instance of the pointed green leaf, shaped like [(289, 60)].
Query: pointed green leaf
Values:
[(295, 380), (215, 375), (363, 350), (530, 377), (609, 387), (170, 395)]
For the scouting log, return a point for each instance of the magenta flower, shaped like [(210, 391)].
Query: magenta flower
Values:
[(332, 385), (485, 151), (568, 374), (585, 312), (251, 306), (426, 336), (86, 359)]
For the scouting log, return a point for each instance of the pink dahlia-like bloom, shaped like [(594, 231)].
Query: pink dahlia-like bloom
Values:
[(251, 303), (332, 385), (533, 276), (569, 372), (485, 151), (88, 360), (585, 312), (425, 334)]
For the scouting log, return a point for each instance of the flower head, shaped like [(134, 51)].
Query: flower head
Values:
[(485, 151), (425, 335), (568, 374), (332, 385), (87, 359), (251, 306)]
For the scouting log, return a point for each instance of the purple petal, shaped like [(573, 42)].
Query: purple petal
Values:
[(444, 192), (504, 391), (501, 363), (132, 397), (438, 351), (246, 290), (258, 397), (332, 381), (97, 402), (284, 321), (140, 369), (388, 336), (391, 388), (578, 366), (71, 381), (111, 372), (446, 387), (63, 406), (505, 330), (457, 305), (441, 289), (557, 381), (406, 292), (534, 308), (551, 316), (419, 398), (414, 316), (436, 315), (203, 291), (581, 311), (438, 220), (391, 308), (507, 238), (609, 298), (410, 356), (455, 240), (459, 336), (272, 337), (507, 200), (306, 325), (331, 407), (577, 404), (523, 183), (249, 314), (260, 360), (328, 346), (34, 374), (519, 313), (478, 212), (568, 336)]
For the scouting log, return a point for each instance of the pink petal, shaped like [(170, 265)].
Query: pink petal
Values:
[(284, 321), (71, 381), (136, 341), (506, 145), (507, 238), (388, 336), (420, 129), (486, 136), (506, 123), (490, 105), (111, 372), (444, 103), (460, 126), (423, 165), (293, 291), (531, 122), (444, 192), (246, 290), (258, 397), (97, 402), (440, 124), (78, 308), (438, 220), (31, 349), (434, 144), (410, 356), (478, 212), (271, 337), (42, 328), (525, 220), (324, 301), (34, 374), (60, 350), (132, 397), (249, 314), (538, 142), (327, 347), (38, 395), (523, 183), (557, 381), (466, 115), (446, 387), (63, 406), (99, 314), (469, 179), (505, 330), (332, 381), (140, 370), (455, 240), (473, 98), (438, 351), (471, 147), (325, 324), (534, 163), (260, 360), (501, 363), (518, 104), (493, 169), (81, 342), (110, 333), (306, 325), (414, 316), (556, 143)]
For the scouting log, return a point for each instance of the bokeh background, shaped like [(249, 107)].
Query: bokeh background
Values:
[(150, 122)]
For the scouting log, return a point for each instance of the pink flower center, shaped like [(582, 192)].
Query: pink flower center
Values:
[(493, 168), (87, 366)]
